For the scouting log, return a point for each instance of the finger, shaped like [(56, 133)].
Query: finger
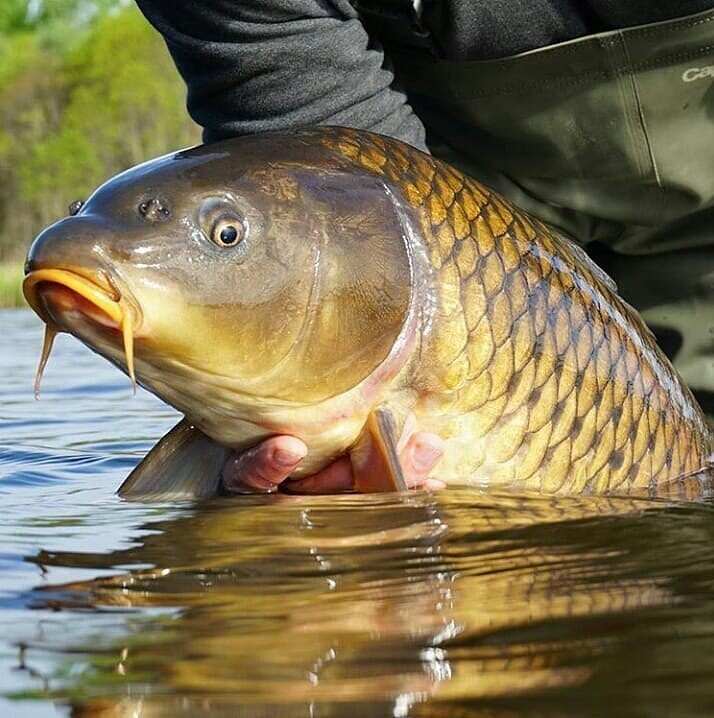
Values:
[(419, 457), (409, 428), (333, 479), (421, 453), (434, 485), (262, 468)]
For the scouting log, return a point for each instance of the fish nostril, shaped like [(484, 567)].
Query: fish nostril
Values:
[(75, 206), (154, 209)]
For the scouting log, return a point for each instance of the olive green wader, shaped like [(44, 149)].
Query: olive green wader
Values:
[(610, 137)]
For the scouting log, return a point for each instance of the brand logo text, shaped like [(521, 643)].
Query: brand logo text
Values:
[(698, 73)]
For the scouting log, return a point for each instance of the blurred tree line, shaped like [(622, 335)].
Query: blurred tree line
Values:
[(87, 89)]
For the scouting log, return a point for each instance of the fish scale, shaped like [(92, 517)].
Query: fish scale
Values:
[(551, 381)]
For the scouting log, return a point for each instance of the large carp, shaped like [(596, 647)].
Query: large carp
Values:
[(328, 282)]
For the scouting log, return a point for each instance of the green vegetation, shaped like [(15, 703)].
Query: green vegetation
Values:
[(87, 89), (10, 284)]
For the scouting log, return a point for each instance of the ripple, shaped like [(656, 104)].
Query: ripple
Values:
[(452, 604)]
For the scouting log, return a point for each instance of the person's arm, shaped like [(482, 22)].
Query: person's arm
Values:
[(265, 65)]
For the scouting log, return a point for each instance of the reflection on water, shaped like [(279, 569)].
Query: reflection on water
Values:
[(457, 604)]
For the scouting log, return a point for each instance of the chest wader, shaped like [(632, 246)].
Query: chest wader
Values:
[(609, 137)]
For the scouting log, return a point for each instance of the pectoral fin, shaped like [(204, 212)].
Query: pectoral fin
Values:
[(375, 458), (184, 464)]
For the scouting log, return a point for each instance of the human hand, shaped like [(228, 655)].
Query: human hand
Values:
[(268, 465)]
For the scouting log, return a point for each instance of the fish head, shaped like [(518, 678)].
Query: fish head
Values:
[(257, 268)]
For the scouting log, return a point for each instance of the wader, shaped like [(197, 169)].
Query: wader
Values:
[(609, 137)]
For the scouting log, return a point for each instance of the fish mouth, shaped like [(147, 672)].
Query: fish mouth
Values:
[(60, 290)]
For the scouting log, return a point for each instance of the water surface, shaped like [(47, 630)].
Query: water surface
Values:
[(449, 604)]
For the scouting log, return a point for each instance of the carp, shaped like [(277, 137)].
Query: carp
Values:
[(327, 283)]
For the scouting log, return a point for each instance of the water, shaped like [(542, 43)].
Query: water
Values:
[(456, 604)]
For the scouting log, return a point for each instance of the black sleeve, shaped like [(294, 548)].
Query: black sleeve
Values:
[(262, 65)]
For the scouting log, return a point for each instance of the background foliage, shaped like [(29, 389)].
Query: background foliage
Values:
[(87, 89)]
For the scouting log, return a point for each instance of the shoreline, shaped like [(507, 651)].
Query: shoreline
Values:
[(11, 274)]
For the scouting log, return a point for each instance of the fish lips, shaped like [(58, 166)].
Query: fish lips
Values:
[(58, 295), (53, 291)]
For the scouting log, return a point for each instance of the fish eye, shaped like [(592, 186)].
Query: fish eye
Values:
[(228, 231), (226, 223)]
